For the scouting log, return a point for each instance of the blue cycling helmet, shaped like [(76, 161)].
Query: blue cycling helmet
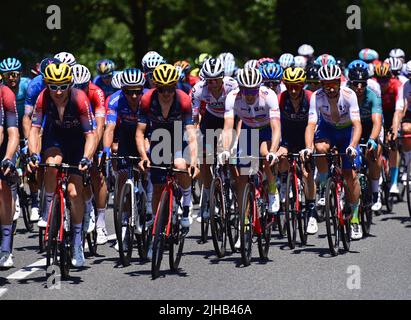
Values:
[(45, 62), (10, 64), (105, 67), (325, 60), (271, 71), (368, 55), (358, 64)]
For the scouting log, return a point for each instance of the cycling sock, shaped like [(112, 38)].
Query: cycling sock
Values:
[(206, 195), (375, 185), (322, 177), (34, 199), (88, 205), (101, 222), (149, 189), (124, 216), (394, 175), (49, 198), (77, 228), (407, 157), (6, 237), (272, 187), (354, 213), (310, 207), (186, 196), (13, 189)]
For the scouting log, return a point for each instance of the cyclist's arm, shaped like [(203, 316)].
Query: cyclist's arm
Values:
[(376, 116), (100, 112), (228, 132), (26, 125), (312, 122), (109, 135), (86, 120), (192, 140), (90, 145), (356, 135), (140, 141), (275, 123), (100, 129), (10, 110)]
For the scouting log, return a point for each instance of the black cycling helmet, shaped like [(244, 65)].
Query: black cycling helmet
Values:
[(358, 74), (312, 73), (341, 63)]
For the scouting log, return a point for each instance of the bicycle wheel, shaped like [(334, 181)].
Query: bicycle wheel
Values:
[(331, 219), (25, 207), (302, 218), (233, 220), (246, 225), (176, 239), (408, 189), (385, 186), (345, 231), (365, 212), (290, 214), (217, 217), (196, 191), (125, 232), (265, 237), (53, 230), (160, 235), (65, 255), (143, 237)]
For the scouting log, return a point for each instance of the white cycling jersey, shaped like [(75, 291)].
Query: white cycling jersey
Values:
[(406, 91), (347, 105), (256, 115), (403, 79), (280, 88), (201, 96)]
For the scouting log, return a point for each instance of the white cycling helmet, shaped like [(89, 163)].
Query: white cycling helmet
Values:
[(81, 74), (305, 50), (213, 68), (397, 53), (329, 72), (66, 57), (132, 77), (151, 60), (371, 68), (249, 77), (226, 56), (116, 80), (300, 62), (408, 68), (286, 60), (395, 64), (251, 64)]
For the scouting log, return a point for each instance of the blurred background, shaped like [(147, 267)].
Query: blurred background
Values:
[(124, 30)]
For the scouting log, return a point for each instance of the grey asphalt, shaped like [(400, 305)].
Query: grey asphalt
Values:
[(378, 267)]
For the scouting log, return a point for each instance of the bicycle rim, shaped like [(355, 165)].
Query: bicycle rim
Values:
[(290, 216), (331, 220), (233, 222), (125, 246), (246, 225), (217, 218)]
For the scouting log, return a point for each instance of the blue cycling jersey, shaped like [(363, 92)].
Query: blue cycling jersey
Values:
[(21, 96), (36, 86), (118, 109), (107, 89)]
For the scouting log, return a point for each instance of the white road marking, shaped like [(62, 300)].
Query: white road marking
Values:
[(26, 271), (3, 291)]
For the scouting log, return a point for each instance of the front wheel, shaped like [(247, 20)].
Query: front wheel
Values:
[(52, 234), (246, 225), (331, 219), (290, 211), (125, 232), (218, 217)]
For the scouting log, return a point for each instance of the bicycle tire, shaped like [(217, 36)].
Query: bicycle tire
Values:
[(53, 229), (290, 215), (246, 225), (205, 226), (125, 202), (217, 217), (331, 219), (302, 218), (345, 231), (65, 255), (388, 199), (143, 239), (160, 235), (265, 237), (365, 212), (176, 240), (25, 207)]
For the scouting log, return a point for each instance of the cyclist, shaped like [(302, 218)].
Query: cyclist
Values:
[(122, 114), (168, 108), (9, 143), (372, 132), (66, 57), (10, 69), (286, 60), (325, 60), (336, 111), (300, 62), (150, 61), (257, 108), (392, 108), (371, 83), (35, 87), (105, 71), (406, 122), (396, 65), (307, 51), (368, 55), (313, 81), (68, 118), (294, 106), (272, 74), (210, 94), (81, 80), (184, 69)]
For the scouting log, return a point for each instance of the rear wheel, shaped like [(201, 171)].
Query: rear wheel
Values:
[(144, 238), (52, 246), (290, 213), (365, 212), (265, 237), (125, 232), (217, 217), (246, 225), (176, 239), (331, 220), (160, 235)]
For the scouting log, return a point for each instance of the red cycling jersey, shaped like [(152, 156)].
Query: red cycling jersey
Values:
[(392, 97), (8, 109), (96, 97)]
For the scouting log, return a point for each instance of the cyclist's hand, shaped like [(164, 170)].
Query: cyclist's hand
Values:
[(305, 154), (25, 149), (351, 151), (7, 166), (372, 145), (223, 157), (193, 169), (84, 164), (144, 164), (282, 152), (107, 151), (272, 158), (33, 164)]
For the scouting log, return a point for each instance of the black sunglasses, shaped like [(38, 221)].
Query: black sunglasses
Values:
[(130, 92), (167, 89), (358, 83)]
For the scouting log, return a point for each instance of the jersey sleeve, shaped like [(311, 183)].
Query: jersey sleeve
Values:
[(376, 103), (84, 111), (399, 100), (186, 110), (354, 108), (99, 103), (39, 109), (196, 98), (313, 113), (33, 91), (229, 104), (145, 107), (272, 103), (112, 105), (9, 108)]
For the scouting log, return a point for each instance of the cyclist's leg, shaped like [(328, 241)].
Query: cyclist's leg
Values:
[(273, 194), (6, 222)]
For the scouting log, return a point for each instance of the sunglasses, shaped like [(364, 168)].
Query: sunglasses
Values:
[(11, 74), (166, 89), (107, 76), (250, 91), (294, 86), (133, 91), (213, 80), (358, 84), (271, 84), (63, 87), (331, 85), (82, 86)]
